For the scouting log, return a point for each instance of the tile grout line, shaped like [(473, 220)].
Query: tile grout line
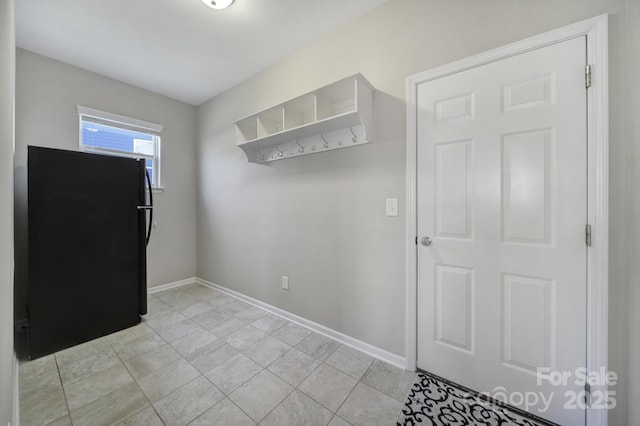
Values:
[(183, 386), (138, 385), (266, 368), (64, 392), (294, 388), (181, 357), (203, 374), (359, 381), (237, 387), (226, 396), (297, 388), (146, 352), (320, 363), (279, 403), (135, 381)]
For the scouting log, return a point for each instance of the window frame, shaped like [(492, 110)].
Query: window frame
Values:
[(90, 115)]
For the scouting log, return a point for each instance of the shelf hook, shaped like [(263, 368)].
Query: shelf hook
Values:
[(324, 141), (280, 153), (300, 147), (354, 139)]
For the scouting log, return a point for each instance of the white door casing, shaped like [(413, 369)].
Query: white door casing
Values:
[(519, 296)]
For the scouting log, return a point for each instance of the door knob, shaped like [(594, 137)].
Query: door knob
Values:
[(425, 241)]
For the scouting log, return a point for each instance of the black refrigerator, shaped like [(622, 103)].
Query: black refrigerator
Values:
[(87, 236)]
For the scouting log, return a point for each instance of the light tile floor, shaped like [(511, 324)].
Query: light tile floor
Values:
[(201, 357)]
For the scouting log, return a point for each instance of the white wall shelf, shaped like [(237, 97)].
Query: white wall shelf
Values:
[(335, 116)]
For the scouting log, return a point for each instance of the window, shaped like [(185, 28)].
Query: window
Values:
[(110, 134)]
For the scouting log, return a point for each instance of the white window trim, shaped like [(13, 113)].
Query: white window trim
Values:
[(120, 119), (132, 123)]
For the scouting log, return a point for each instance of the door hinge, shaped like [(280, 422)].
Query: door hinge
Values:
[(587, 76), (587, 394), (587, 236), (416, 240)]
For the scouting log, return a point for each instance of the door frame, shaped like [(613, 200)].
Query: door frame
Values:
[(596, 31)]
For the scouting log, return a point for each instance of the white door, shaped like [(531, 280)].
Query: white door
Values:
[(502, 194)]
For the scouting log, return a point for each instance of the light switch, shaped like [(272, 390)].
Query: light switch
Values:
[(392, 207)]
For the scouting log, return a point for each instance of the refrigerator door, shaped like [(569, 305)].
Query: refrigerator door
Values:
[(87, 270)]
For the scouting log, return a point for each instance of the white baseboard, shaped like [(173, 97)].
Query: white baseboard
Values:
[(157, 288), (371, 350)]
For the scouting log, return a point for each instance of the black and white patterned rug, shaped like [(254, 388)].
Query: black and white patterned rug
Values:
[(434, 402)]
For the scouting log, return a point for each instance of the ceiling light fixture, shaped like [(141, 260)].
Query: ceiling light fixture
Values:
[(218, 4)]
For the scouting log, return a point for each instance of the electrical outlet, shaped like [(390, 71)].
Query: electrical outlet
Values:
[(285, 283)]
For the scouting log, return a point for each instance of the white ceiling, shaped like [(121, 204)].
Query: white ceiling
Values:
[(179, 48)]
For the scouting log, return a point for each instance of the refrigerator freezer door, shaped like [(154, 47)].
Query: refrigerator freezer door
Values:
[(86, 262)]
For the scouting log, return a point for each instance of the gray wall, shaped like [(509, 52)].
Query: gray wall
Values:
[(7, 75), (47, 93), (320, 219), (633, 139)]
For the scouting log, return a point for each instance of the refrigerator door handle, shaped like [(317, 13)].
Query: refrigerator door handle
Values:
[(149, 207)]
